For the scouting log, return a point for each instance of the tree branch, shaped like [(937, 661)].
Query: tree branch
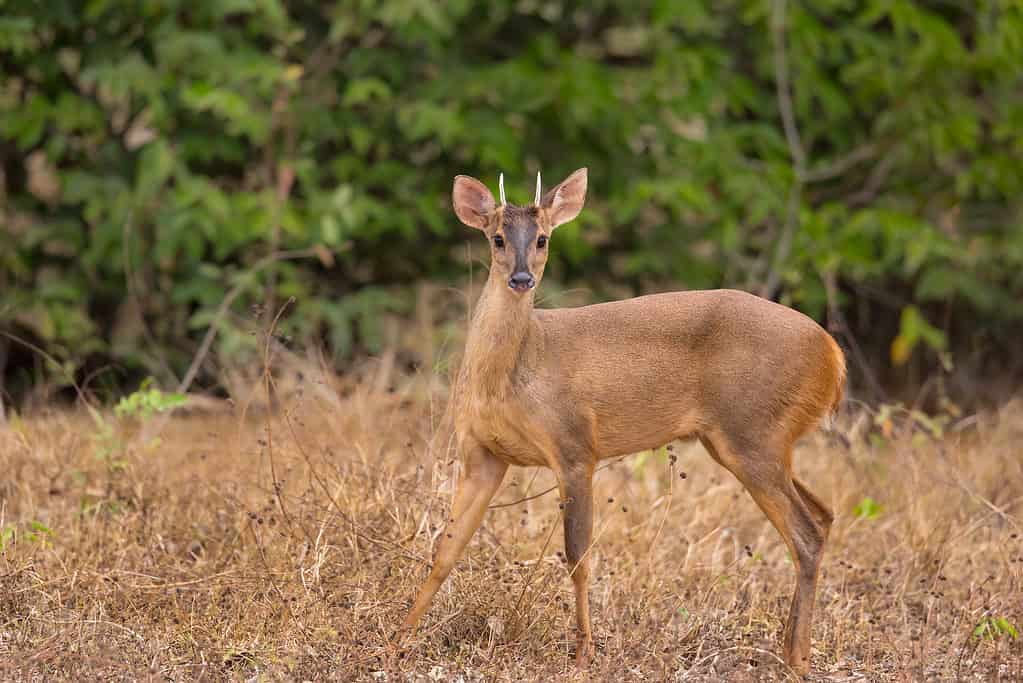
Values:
[(783, 89), (875, 181), (840, 166), (225, 305), (796, 151)]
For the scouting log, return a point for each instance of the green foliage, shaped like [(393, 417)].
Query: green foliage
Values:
[(148, 400), (912, 330), (155, 153), (868, 508), (993, 628), (33, 532), (894, 419), (110, 448)]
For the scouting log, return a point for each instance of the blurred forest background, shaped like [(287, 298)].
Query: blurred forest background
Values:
[(168, 166)]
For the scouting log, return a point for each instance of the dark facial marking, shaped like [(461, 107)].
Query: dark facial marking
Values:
[(520, 230)]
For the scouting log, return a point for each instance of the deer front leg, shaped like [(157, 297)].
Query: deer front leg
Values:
[(481, 475), (577, 498)]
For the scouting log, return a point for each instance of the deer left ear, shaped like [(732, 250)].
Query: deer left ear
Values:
[(566, 199), (472, 202)]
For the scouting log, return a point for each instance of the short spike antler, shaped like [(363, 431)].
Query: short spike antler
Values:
[(500, 185), (536, 200)]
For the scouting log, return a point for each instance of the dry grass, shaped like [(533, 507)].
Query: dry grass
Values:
[(185, 561)]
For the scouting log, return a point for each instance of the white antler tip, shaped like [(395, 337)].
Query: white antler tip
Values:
[(500, 185), (537, 199)]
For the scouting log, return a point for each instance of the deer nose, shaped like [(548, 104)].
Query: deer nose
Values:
[(522, 282)]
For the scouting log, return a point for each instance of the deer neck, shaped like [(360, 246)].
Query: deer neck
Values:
[(497, 334)]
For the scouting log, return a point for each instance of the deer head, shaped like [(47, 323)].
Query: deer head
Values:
[(518, 235)]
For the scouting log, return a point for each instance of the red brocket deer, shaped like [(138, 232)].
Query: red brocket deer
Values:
[(565, 388)]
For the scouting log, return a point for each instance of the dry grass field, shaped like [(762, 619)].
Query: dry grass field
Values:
[(247, 544)]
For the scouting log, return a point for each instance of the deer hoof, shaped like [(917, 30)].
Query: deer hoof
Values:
[(582, 653), (800, 666)]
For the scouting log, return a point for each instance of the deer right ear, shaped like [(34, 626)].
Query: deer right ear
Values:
[(566, 200), (472, 201)]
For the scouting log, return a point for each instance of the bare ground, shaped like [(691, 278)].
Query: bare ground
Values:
[(128, 558)]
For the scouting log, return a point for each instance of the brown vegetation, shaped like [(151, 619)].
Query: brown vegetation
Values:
[(289, 544)]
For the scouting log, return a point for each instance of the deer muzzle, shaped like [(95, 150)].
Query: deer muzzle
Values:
[(522, 282)]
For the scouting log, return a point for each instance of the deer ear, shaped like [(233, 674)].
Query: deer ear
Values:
[(472, 201), (565, 200)]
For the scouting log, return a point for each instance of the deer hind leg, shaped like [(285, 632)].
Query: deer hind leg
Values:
[(576, 486), (481, 476), (821, 513), (801, 519)]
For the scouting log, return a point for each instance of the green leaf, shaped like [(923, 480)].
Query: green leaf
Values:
[(995, 627), (156, 163), (868, 508), (363, 90), (913, 329)]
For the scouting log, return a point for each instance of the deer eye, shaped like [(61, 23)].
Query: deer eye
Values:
[(499, 241), (541, 241)]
